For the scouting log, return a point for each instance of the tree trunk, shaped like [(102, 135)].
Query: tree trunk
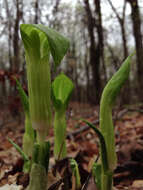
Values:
[(16, 49), (124, 41), (9, 36), (36, 12), (100, 34), (87, 77), (121, 20), (94, 56), (136, 20)]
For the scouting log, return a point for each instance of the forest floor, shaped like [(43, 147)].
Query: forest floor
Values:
[(82, 144)]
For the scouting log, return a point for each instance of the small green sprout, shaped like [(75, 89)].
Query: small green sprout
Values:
[(62, 88), (96, 172), (75, 173), (106, 133)]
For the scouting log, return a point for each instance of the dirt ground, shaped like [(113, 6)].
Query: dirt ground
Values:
[(128, 122)]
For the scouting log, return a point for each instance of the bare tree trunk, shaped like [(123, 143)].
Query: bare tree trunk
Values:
[(99, 27), (94, 56), (55, 23), (55, 9), (9, 35), (87, 76), (36, 12), (16, 38), (121, 20), (87, 65), (124, 40), (136, 20)]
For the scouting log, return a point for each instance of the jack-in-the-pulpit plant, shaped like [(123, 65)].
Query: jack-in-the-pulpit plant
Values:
[(106, 132), (39, 43), (62, 88)]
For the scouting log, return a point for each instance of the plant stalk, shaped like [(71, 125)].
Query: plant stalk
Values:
[(60, 151), (106, 121), (28, 138), (107, 181), (38, 178)]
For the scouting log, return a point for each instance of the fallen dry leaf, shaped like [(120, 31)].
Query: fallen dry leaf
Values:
[(11, 187), (137, 184)]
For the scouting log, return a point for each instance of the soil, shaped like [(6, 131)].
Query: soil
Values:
[(82, 144)]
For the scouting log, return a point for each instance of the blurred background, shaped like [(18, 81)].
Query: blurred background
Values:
[(102, 34)]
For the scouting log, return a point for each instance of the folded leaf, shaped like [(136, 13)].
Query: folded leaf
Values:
[(109, 95), (62, 88), (58, 44)]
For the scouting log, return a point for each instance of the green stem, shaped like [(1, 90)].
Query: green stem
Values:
[(41, 154), (60, 151), (38, 178), (41, 135), (107, 129), (29, 137), (108, 98), (42, 150), (107, 181), (28, 126), (106, 173)]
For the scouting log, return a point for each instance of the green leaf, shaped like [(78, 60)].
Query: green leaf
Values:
[(114, 85), (103, 148), (97, 173), (61, 92), (109, 95), (58, 44), (62, 88), (24, 156), (75, 172)]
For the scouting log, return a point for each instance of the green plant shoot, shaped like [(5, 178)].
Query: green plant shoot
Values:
[(96, 172), (108, 98), (62, 88), (75, 173), (27, 161), (106, 133), (40, 42)]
